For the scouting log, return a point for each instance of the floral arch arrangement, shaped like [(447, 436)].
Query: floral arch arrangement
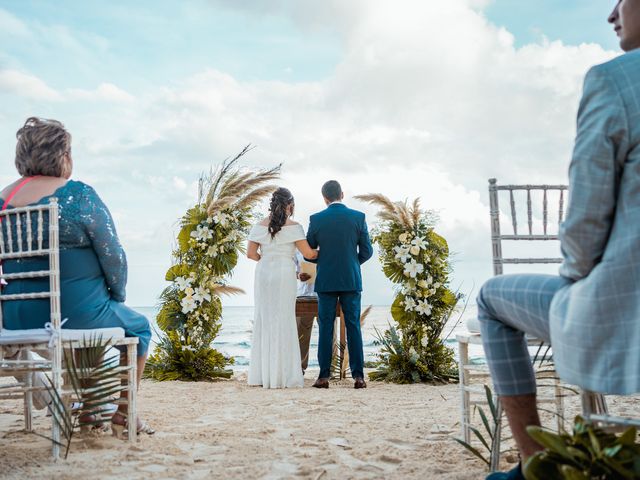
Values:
[(211, 237), (416, 259)]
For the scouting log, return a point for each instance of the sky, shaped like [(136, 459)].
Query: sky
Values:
[(409, 98)]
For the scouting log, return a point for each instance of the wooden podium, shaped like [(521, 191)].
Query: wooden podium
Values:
[(308, 306)]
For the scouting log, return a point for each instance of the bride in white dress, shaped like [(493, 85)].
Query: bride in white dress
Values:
[(275, 349)]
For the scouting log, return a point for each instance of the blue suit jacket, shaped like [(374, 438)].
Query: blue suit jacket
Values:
[(343, 238)]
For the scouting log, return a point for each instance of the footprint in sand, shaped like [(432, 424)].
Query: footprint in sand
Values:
[(401, 444), (339, 442)]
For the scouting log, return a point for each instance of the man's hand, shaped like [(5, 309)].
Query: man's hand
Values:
[(304, 277)]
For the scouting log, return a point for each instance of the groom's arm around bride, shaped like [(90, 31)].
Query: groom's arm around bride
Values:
[(342, 236)]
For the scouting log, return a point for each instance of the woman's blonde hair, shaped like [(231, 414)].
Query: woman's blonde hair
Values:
[(43, 148)]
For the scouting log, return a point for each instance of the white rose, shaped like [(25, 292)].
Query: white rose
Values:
[(415, 250)]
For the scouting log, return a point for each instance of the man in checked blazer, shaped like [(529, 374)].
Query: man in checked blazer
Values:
[(591, 311)]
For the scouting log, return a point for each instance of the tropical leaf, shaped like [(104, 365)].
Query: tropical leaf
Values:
[(190, 312), (473, 450), (94, 380)]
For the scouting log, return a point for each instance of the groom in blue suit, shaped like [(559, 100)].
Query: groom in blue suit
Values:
[(343, 239)]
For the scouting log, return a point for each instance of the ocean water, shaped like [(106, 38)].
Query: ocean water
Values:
[(234, 338)]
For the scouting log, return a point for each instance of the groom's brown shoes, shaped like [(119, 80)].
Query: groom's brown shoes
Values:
[(321, 383), (360, 383)]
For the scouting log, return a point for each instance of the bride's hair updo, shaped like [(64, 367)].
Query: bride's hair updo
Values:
[(280, 200)]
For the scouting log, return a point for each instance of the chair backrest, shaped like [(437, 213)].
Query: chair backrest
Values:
[(543, 216), (22, 235)]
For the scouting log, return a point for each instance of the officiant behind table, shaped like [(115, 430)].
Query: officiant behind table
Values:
[(306, 305)]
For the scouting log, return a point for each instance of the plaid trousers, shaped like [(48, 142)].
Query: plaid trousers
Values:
[(510, 306)]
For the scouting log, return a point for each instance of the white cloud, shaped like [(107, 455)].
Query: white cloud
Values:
[(105, 92), (26, 85), (429, 99)]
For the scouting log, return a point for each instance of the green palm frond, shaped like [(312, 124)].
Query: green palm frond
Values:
[(94, 381)]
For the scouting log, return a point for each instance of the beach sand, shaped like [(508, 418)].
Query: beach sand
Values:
[(227, 429)]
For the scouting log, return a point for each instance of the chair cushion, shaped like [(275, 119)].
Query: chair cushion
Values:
[(40, 335), (473, 325)]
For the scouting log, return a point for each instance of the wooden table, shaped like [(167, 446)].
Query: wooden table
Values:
[(308, 306)]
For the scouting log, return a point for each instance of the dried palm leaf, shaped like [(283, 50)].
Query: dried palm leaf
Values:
[(227, 290), (387, 208), (220, 204), (235, 185), (378, 199), (220, 175), (404, 215), (416, 211), (365, 314), (235, 192), (255, 196)]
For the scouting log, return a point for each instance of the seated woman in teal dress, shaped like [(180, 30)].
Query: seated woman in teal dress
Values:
[(93, 265)]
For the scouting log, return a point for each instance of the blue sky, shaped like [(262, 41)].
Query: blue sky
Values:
[(135, 44), (408, 98), (572, 21)]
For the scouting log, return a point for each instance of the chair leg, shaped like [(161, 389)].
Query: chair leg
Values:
[(463, 361), (28, 402), (132, 390), (593, 404), (559, 397)]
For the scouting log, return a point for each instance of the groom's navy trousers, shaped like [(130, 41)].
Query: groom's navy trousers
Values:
[(343, 238), (350, 304)]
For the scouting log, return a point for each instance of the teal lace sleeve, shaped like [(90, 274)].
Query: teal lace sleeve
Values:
[(101, 231)]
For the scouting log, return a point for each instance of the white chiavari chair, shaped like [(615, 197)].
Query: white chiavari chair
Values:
[(24, 235)]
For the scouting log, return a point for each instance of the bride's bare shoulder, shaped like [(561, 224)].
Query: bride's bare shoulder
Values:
[(264, 223), (291, 222)]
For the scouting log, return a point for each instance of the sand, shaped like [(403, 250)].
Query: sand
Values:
[(229, 430)]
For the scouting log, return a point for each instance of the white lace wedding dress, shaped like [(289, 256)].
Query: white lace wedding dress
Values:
[(275, 349)]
